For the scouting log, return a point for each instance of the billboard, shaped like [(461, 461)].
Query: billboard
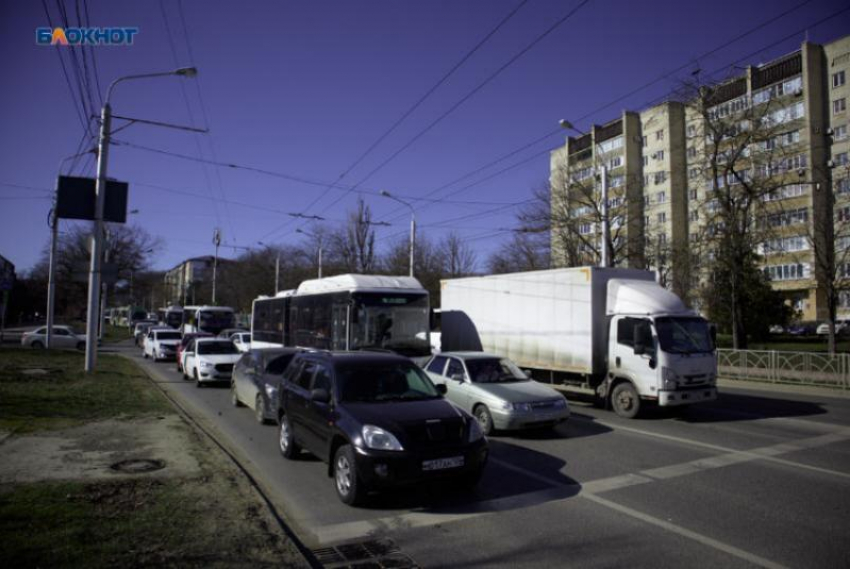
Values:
[(75, 198)]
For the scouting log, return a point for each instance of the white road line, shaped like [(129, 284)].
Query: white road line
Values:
[(679, 530)]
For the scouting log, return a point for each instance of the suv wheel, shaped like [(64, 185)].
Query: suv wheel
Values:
[(288, 447), (348, 486)]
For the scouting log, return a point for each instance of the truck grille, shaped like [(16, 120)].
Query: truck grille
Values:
[(696, 379), (224, 367)]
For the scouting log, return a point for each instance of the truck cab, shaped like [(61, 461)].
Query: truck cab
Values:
[(658, 349)]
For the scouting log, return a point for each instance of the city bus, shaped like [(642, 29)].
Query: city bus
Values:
[(171, 316), (346, 312), (209, 319)]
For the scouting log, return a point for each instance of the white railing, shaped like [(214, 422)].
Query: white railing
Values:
[(801, 368)]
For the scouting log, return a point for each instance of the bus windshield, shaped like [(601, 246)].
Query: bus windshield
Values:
[(214, 321), (391, 321), (173, 319)]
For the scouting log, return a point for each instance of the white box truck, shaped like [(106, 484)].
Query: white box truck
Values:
[(615, 333)]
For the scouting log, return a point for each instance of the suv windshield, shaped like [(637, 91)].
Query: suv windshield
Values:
[(493, 370), (684, 335), (383, 381), (215, 348), (168, 335)]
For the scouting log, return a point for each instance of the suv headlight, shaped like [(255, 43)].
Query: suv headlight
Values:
[(474, 432), (205, 364), (378, 439), (669, 378)]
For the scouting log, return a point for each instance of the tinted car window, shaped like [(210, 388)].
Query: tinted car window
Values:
[(61, 332), (303, 379), (322, 379), (437, 365), (383, 381), (455, 367), (279, 364), (493, 370), (217, 348)]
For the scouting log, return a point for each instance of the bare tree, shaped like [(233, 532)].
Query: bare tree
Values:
[(355, 243), (458, 258)]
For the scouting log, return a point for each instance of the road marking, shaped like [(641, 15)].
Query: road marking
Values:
[(679, 530)]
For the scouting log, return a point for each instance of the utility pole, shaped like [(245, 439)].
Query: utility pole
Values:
[(277, 273), (104, 287), (51, 274), (386, 194), (217, 242), (606, 232)]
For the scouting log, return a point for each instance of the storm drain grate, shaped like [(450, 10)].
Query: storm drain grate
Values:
[(138, 465), (379, 553)]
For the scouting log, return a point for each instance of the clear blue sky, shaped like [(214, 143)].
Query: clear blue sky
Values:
[(304, 88)]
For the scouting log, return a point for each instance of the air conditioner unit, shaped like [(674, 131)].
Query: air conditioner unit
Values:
[(830, 163), (829, 132)]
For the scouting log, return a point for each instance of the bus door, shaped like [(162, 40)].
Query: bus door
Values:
[(339, 322)]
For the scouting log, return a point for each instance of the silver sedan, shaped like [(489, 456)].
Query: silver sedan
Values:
[(496, 392), (63, 337)]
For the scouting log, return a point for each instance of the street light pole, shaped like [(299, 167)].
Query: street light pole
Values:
[(605, 256), (386, 194), (217, 241), (277, 273), (92, 318), (319, 240)]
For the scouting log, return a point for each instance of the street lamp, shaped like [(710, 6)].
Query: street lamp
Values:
[(319, 240), (386, 194), (605, 260), (276, 267), (92, 319)]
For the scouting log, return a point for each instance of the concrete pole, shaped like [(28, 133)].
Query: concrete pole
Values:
[(320, 261), (606, 232), (104, 288), (97, 241), (217, 241), (51, 275), (277, 273)]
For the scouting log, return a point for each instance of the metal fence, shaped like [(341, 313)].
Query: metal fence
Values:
[(801, 368)]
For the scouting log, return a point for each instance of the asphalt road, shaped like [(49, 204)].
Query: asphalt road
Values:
[(754, 479)]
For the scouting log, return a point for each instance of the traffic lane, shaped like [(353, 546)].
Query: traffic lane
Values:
[(592, 450), (792, 516), (573, 532), (306, 491)]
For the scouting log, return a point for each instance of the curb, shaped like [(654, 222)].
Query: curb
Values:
[(786, 388)]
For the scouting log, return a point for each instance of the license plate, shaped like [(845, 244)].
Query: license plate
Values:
[(443, 463)]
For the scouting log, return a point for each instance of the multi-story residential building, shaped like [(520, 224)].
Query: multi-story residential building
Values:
[(778, 133), (184, 281)]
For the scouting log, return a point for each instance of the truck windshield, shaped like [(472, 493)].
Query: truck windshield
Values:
[(684, 335), (396, 322)]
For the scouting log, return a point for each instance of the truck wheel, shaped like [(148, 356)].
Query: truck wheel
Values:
[(485, 420), (348, 487), (625, 400), (288, 447)]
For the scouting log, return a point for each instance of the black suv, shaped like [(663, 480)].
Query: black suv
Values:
[(377, 421)]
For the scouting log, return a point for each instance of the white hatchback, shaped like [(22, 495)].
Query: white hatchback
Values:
[(208, 360)]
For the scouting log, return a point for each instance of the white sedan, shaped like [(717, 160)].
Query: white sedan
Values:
[(161, 344), (242, 341), (208, 360), (63, 337)]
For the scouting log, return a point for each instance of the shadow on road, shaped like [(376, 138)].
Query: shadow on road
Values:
[(731, 407)]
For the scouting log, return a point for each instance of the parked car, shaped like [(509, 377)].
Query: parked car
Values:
[(242, 341), (140, 330), (496, 392), (63, 337), (184, 341), (803, 329), (161, 344), (776, 329), (842, 326), (256, 379), (208, 360), (378, 421)]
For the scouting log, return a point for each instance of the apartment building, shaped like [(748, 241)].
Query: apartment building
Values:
[(184, 281), (784, 123)]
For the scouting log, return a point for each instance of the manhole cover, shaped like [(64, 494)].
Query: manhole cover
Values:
[(138, 465)]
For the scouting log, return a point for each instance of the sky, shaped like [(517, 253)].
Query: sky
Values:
[(296, 94)]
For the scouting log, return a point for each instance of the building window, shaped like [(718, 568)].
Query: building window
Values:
[(646, 221), (659, 155), (616, 181), (790, 272), (662, 239), (786, 114), (662, 217), (794, 85), (615, 162), (838, 79), (693, 173), (646, 179), (843, 214), (842, 186), (692, 152), (694, 215), (585, 228), (692, 130), (660, 177), (661, 197), (646, 160), (785, 245), (839, 106), (611, 144), (659, 135), (785, 192), (842, 159), (646, 200), (840, 132), (645, 140), (692, 193)]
